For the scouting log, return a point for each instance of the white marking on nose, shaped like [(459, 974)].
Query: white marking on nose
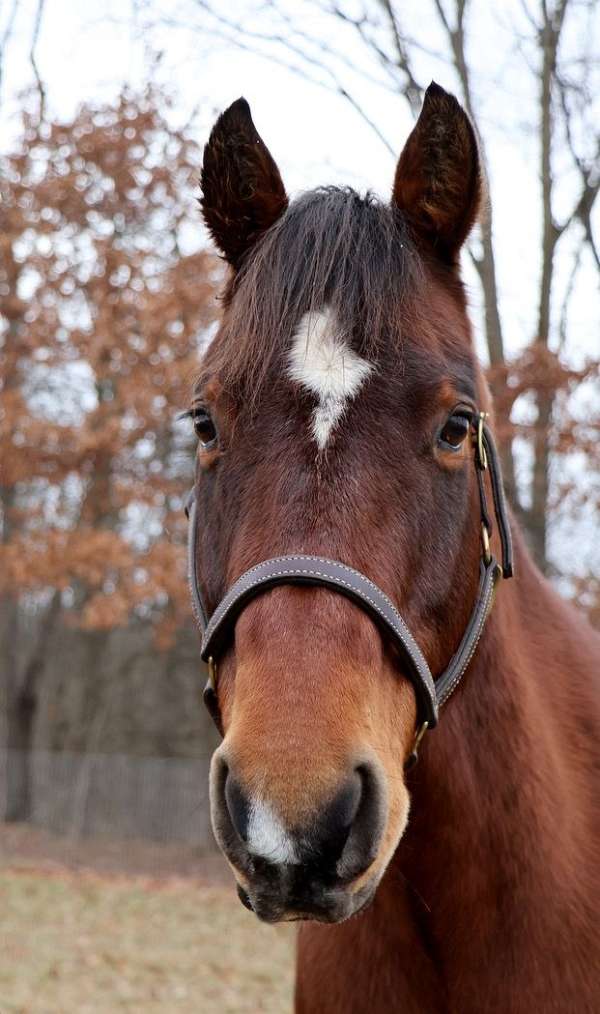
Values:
[(267, 837), (322, 361)]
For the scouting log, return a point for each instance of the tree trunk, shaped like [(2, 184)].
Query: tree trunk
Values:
[(486, 264), (537, 527), (486, 268), (21, 699), (17, 710), (20, 722), (538, 514)]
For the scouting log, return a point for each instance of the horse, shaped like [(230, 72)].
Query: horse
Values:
[(341, 417)]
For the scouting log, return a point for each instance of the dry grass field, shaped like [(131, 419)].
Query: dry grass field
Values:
[(75, 942)]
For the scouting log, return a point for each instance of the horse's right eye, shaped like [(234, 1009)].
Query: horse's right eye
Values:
[(204, 428)]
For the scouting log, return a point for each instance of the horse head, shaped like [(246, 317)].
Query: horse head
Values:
[(334, 417)]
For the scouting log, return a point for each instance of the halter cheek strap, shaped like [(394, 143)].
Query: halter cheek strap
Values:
[(337, 577)]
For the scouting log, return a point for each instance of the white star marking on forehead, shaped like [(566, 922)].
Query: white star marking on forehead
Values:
[(323, 362)]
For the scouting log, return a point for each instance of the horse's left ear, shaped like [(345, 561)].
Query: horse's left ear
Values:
[(242, 191), (439, 181)]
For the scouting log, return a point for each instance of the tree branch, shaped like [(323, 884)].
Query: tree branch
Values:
[(7, 36), (413, 89), (33, 58), (564, 310), (590, 175)]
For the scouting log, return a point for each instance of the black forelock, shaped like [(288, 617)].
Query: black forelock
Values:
[(332, 248)]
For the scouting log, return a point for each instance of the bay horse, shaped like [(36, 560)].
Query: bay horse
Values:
[(340, 419)]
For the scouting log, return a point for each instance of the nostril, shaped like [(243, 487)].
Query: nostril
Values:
[(339, 816), (364, 836), (238, 806)]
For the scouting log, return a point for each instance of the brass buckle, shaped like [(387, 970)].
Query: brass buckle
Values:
[(485, 541), (481, 455), (413, 756), (419, 736), (212, 674)]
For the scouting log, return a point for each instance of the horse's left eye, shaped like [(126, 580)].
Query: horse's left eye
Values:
[(205, 428), (454, 432)]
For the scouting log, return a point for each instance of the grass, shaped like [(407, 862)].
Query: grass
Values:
[(85, 944)]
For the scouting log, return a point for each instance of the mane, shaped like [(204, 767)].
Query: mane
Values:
[(331, 248)]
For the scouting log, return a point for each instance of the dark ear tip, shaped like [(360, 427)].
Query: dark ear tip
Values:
[(437, 96), (435, 90), (232, 125), (240, 106), (237, 114)]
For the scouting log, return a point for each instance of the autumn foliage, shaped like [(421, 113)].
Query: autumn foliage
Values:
[(106, 298)]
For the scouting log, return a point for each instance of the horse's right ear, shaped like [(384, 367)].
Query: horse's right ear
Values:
[(242, 191)]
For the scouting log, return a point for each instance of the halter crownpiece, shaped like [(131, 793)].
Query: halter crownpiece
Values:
[(301, 569)]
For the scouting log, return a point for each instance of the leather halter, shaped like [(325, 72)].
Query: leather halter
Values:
[(300, 569)]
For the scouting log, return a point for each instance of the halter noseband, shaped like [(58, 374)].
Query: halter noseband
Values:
[(338, 577)]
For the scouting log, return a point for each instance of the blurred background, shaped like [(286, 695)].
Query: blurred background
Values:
[(108, 294)]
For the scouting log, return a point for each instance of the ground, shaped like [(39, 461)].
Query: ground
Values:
[(83, 934)]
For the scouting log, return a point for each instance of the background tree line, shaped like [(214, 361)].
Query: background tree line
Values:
[(104, 314)]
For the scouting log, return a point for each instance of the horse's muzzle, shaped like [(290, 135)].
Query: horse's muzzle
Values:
[(309, 869)]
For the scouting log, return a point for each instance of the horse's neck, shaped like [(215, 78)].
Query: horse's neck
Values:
[(528, 704), (502, 797)]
